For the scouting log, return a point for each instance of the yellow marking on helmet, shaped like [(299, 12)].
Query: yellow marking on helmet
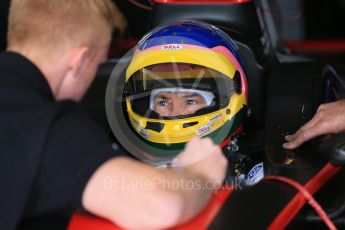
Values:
[(207, 58)]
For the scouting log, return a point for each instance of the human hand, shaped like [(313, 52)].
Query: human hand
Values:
[(203, 158), (329, 118)]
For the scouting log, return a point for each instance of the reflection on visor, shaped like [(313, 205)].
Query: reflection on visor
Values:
[(168, 102), (175, 90)]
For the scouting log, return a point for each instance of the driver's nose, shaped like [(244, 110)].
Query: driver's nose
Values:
[(178, 109)]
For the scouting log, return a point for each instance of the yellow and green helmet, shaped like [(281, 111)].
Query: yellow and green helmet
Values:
[(184, 79)]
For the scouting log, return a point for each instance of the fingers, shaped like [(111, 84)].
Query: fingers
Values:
[(203, 158), (318, 125), (309, 125), (311, 129), (300, 137), (329, 118), (196, 150)]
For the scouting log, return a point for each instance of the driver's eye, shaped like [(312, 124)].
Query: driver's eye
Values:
[(191, 102), (163, 103)]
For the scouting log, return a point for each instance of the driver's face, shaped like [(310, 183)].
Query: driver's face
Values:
[(175, 104)]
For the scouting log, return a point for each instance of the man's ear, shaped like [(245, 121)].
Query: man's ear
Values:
[(74, 62), (78, 60)]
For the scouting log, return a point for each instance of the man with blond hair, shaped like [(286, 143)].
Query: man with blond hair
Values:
[(54, 159)]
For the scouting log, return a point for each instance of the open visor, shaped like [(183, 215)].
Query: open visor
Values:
[(179, 90)]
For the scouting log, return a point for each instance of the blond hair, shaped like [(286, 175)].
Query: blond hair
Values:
[(54, 22)]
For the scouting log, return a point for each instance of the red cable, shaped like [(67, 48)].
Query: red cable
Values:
[(308, 196), (138, 4)]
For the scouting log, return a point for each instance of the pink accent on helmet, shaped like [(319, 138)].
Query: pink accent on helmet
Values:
[(223, 50)]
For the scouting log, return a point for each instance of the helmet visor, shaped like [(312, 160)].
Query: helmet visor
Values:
[(178, 90)]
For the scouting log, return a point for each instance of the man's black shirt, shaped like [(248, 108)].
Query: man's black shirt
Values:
[(48, 149)]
